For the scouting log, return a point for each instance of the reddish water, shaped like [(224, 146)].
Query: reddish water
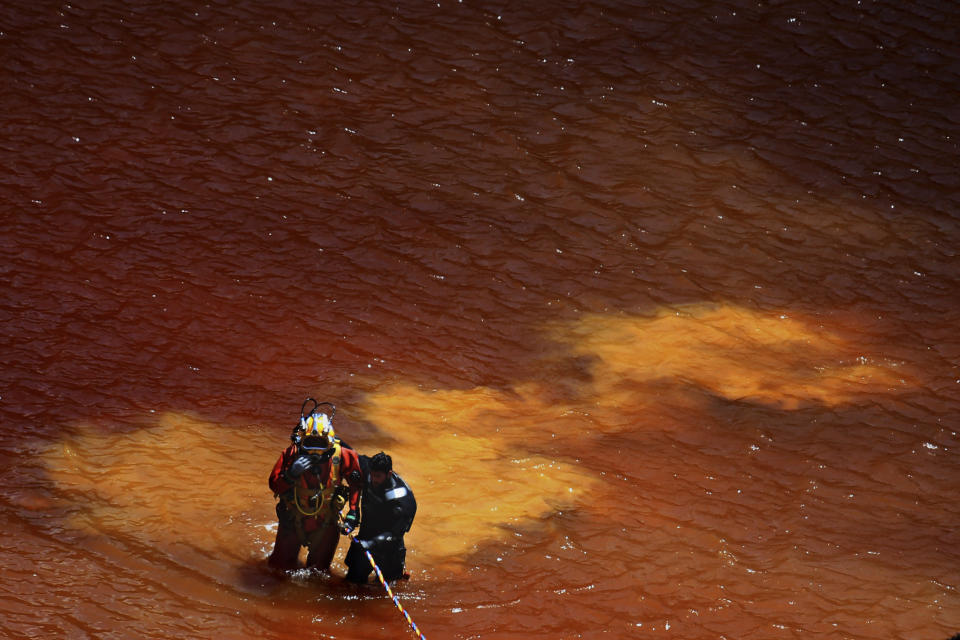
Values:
[(654, 305)]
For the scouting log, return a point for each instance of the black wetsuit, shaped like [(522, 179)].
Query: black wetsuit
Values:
[(386, 513)]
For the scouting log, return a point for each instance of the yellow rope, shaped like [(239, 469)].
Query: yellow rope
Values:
[(396, 601)]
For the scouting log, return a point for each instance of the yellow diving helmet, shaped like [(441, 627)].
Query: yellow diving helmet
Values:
[(315, 432)]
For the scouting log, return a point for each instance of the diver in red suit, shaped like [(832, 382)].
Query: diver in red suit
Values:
[(315, 478)]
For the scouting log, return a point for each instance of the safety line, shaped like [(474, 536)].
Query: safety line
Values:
[(390, 593)]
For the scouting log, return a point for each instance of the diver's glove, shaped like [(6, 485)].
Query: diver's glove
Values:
[(350, 522), (300, 466)]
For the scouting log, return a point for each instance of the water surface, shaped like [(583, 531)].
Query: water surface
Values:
[(654, 305)]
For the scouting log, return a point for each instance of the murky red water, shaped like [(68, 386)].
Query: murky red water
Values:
[(654, 305)]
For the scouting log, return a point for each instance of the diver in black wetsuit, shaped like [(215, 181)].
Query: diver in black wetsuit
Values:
[(387, 508)]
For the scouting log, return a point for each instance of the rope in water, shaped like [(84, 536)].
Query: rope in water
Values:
[(406, 615)]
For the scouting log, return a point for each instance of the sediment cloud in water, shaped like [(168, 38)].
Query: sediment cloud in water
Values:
[(181, 489), (482, 458), (481, 461), (478, 461), (732, 352)]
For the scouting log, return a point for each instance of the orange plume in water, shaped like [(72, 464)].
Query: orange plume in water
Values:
[(482, 462), (730, 351), (187, 489), (469, 457)]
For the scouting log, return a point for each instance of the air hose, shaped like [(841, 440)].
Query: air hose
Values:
[(338, 503), (296, 501)]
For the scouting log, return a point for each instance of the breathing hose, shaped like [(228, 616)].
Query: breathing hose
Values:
[(296, 502)]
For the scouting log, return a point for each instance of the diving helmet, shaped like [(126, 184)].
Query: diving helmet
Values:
[(315, 432)]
